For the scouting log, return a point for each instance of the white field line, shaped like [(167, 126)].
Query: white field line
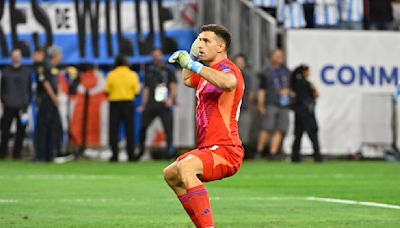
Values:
[(270, 198), (8, 201), (353, 202), (64, 177)]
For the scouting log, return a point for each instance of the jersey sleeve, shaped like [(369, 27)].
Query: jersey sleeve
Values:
[(195, 79)]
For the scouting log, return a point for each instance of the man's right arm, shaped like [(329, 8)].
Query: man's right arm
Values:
[(261, 100), (2, 88), (50, 92), (261, 94), (187, 78), (145, 98)]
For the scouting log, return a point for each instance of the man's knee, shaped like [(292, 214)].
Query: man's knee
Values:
[(170, 174), (188, 168)]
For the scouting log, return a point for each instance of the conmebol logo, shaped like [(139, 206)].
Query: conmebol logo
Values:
[(348, 75)]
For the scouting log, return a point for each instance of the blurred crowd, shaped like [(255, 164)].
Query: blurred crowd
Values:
[(41, 85), (338, 14), (264, 122)]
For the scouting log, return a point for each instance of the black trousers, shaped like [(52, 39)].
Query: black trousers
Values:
[(122, 112), (148, 116), (305, 121), (9, 115), (46, 132)]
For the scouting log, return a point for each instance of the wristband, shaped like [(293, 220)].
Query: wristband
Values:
[(196, 67)]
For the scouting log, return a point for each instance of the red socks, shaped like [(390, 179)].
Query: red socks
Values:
[(197, 205)]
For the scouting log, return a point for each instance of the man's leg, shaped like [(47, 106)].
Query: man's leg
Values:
[(298, 133), (128, 117), (19, 137), (263, 137), (182, 177), (173, 180), (148, 115), (282, 125), (276, 142), (113, 130), (167, 122), (6, 121), (40, 132)]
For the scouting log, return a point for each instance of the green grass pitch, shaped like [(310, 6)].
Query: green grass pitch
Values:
[(262, 194)]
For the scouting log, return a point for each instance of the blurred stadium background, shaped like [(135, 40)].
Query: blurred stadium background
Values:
[(355, 70)]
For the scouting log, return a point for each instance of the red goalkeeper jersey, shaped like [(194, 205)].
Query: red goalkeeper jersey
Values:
[(217, 111)]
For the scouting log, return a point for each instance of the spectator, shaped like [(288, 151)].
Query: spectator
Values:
[(121, 87), (273, 101), (268, 6), (48, 116), (380, 15), (309, 6), (326, 13), (157, 100), (351, 14), (396, 14), (291, 14), (248, 96), (16, 94), (304, 108)]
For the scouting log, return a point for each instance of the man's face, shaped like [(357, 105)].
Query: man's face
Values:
[(209, 46), (157, 56), (277, 57), (16, 57), (307, 73), (240, 62), (57, 59), (38, 56)]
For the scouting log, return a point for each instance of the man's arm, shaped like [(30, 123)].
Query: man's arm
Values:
[(227, 82), (261, 100), (187, 78), (2, 88), (219, 79), (30, 86), (172, 94), (50, 92), (145, 97)]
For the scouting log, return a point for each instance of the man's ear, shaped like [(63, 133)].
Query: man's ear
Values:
[(221, 47)]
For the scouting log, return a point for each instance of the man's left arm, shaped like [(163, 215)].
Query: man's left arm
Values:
[(172, 87), (224, 81)]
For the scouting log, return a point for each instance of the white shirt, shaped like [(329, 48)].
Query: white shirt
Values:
[(266, 3), (351, 10), (326, 12), (291, 15)]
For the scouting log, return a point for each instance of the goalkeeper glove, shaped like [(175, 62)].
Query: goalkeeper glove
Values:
[(194, 50), (183, 59)]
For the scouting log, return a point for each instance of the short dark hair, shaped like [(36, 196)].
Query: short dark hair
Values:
[(241, 55), (121, 60), (220, 31)]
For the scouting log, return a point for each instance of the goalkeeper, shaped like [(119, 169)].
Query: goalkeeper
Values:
[(219, 89)]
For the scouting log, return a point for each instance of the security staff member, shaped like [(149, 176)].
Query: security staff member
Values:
[(304, 108), (16, 93), (47, 101), (157, 100), (121, 87)]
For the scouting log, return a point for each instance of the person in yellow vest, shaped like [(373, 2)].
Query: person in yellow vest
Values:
[(121, 87)]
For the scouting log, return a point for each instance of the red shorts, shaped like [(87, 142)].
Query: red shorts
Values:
[(218, 161)]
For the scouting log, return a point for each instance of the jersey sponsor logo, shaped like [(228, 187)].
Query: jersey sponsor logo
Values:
[(226, 70)]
